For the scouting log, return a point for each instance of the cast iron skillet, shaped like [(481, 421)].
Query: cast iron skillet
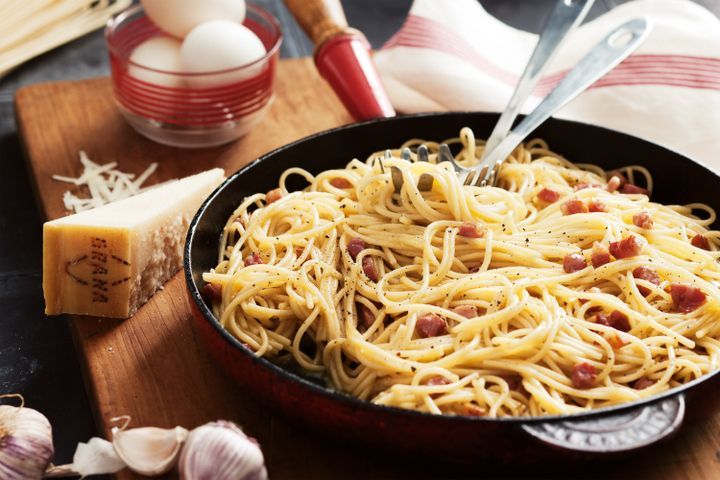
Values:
[(608, 431)]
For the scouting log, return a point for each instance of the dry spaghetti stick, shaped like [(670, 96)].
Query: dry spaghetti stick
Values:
[(41, 20), (15, 11), (62, 33)]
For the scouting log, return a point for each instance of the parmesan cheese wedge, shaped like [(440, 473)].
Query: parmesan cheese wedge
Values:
[(109, 261)]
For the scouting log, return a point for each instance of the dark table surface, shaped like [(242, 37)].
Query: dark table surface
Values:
[(37, 357)]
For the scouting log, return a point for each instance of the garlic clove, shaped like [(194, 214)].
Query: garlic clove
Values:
[(25, 443), (221, 451), (149, 450)]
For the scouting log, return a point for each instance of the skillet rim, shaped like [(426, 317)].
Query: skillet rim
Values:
[(357, 403)]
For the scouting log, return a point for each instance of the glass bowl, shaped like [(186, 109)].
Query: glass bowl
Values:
[(175, 108)]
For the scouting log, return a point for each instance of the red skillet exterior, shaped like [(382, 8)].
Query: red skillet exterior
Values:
[(343, 416)]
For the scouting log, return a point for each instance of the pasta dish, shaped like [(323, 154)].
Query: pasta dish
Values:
[(563, 288)]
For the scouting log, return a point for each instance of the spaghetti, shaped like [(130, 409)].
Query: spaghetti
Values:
[(561, 290)]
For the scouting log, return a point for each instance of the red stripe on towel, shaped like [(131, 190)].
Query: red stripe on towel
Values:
[(685, 71)]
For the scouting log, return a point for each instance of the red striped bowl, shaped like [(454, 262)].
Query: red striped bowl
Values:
[(173, 112)]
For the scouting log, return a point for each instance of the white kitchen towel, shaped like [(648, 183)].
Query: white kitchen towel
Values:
[(453, 55)]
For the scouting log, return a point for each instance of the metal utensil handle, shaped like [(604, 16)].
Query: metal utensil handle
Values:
[(611, 50), (566, 15), (614, 433)]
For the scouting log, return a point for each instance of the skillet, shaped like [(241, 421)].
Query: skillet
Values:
[(606, 432)]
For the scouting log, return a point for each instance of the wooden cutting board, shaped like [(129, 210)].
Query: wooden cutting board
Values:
[(154, 368)]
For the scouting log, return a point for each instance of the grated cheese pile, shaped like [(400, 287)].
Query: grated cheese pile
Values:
[(105, 184)]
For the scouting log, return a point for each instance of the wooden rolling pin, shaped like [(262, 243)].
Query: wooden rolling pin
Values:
[(343, 58)]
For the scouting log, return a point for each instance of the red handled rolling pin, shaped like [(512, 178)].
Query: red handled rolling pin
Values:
[(342, 56)]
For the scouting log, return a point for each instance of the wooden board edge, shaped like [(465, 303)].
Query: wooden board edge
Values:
[(89, 385), (29, 167), (72, 320)]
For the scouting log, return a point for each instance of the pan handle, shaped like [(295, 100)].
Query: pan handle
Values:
[(614, 433)]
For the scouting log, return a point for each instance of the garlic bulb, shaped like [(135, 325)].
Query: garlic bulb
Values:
[(25, 443), (221, 451), (149, 450)]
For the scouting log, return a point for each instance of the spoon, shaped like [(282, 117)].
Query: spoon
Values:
[(566, 15)]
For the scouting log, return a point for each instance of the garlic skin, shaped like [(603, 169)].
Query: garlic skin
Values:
[(221, 451), (25, 443), (96, 457), (149, 451)]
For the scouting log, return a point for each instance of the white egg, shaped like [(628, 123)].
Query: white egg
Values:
[(178, 17), (159, 53), (220, 45)]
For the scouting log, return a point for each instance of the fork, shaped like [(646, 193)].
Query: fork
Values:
[(566, 15), (425, 181), (603, 57)]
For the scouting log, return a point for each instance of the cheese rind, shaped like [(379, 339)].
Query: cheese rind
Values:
[(110, 260)]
